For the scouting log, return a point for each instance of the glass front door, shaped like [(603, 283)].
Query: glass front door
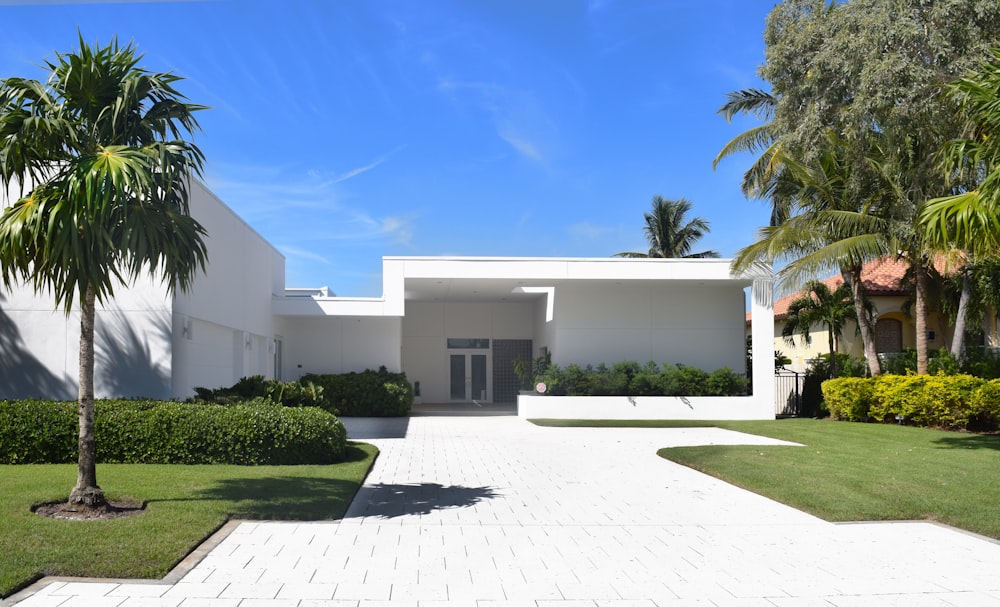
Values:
[(469, 376)]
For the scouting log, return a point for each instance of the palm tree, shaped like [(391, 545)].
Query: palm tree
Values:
[(970, 218), (668, 233), (836, 224), (818, 305), (97, 153), (766, 176)]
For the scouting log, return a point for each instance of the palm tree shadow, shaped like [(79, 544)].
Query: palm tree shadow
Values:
[(970, 441), (390, 500), (290, 497), (22, 374), (125, 356)]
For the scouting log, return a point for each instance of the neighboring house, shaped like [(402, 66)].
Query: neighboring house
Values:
[(454, 325), (895, 330)]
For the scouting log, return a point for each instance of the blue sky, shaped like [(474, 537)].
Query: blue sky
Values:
[(345, 130)]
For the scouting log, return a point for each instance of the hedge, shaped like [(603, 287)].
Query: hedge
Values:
[(366, 394), (629, 378), (954, 402), (287, 393), (156, 432)]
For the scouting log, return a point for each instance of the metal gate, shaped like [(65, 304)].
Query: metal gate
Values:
[(788, 392)]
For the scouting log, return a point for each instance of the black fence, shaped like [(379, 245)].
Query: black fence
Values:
[(788, 392)]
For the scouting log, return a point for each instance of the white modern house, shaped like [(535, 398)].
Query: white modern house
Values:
[(454, 325)]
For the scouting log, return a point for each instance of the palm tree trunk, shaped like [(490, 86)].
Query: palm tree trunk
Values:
[(833, 353), (958, 339), (853, 276), (921, 320), (87, 492)]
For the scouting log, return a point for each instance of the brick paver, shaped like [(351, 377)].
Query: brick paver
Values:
[(493, 511)]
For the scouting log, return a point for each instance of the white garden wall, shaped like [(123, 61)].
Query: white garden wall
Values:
[(644, 407)]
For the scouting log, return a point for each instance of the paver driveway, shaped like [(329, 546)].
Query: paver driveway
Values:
[(482, 511)]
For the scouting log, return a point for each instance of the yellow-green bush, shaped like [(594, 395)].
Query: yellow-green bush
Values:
[(956, 402), (848, 398), (986, 407)]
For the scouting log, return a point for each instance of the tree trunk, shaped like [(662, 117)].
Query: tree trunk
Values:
[(833, 353), (853, 277), (921, 316), (87, 492), (958, 339)]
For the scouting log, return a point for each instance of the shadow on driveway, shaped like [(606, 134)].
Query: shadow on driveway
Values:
[(392, 500)]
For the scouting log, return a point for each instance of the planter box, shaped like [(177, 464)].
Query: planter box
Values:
[(645, 407)]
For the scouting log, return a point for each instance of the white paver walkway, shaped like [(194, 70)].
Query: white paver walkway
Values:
[(493, 511)]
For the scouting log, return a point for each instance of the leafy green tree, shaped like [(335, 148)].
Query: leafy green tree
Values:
[(870, 71), (818, 305), (97, 152), (669, 232), (970, 218), (833, 225)]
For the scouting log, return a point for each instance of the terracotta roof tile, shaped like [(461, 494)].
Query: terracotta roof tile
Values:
[(880, 277)]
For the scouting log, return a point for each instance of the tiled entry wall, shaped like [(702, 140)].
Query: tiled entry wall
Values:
[(505, 382)]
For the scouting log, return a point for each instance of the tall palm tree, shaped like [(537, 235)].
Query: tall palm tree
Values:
[(668, 231), (818, 305), (98, 154), (765, 177), (836, 224)]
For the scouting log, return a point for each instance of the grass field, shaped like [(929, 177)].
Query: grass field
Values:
[(854, 472), (185, 504)]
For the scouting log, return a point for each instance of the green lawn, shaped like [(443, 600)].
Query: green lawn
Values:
[(855, 472), (185, 505)]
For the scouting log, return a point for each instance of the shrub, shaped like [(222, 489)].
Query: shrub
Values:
[(37, 431), (289, 393), (985, 415), (954, 402), (366, 394), (905, 362), (848, 398), (629, 378), (981, 362), (944, 401), (723, 382), (153, 432), (818, 372)]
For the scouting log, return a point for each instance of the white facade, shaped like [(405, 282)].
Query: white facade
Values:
[(453, 325), (149, 343)]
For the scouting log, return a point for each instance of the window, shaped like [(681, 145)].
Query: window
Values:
[(468, 343), (888, 335)]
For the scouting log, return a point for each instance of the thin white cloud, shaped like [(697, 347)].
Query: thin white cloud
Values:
[(517, 116), (302, 254), (523, 147), (587, 230)]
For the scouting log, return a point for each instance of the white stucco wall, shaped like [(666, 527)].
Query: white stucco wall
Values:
[(41, 345), (224, 327), (698, 325), (428, 325), (325, 344)]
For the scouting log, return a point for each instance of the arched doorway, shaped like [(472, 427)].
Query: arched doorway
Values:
[(888, 335)]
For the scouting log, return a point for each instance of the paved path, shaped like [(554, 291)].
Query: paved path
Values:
[(493, 511)]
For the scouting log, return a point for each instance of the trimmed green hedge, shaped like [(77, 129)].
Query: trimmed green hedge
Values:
[(955, 402), (629, 378), (156, 432), (366, 394)]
